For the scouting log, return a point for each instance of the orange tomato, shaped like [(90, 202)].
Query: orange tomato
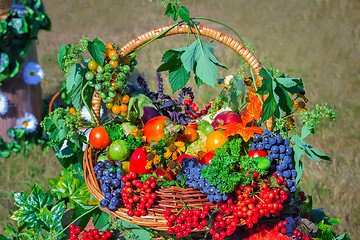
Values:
[(116, 109), (125, 99), (113, 63), (123, 108), (113, 53), (112, 83), (190, 134), (125, 60), (215, 140), (109, 46)]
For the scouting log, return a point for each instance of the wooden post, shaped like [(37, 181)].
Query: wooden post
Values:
[(21, 97)]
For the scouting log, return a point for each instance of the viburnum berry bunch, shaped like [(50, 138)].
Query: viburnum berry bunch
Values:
[(225, 220), (91, 234), (268, 201), (138, 196), (186, 220)]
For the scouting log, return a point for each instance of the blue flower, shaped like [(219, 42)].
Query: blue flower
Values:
[(29, 122), (33, 73), (4, 104)]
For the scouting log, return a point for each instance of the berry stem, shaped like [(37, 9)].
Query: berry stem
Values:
[(92, 209)]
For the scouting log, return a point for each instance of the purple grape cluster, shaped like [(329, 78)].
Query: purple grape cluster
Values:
[(280, 154), (191, 171), (110, 174)]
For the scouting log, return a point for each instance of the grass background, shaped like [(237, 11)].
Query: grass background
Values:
[(317, 40)]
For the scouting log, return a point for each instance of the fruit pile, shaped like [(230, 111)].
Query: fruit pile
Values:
[(154, 141)]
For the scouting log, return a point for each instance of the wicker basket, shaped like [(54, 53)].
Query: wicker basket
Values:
[(169, 198)]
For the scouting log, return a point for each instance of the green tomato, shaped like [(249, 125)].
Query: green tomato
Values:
[(106, 84), (118, 84), (134, 62), (109, 68), (111, 89), (114, 58), (91, 84), (107, 76), (103, 95), (109, 99), (132, 55), (125, 69), (132, 68), (102, 158), (89, 76), (119, 150), (121, 76), (112, 94), (100, 69), (99, 76), (208, 129), (98, 87)]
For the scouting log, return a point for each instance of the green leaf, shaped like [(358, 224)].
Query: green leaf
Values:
[(19, 133), (299, 167), (315, 154), (305, 132), (69, 187), (3, 27), (284, 101), (4, 61), (198, 81), (139, 231), (5, 153), (317, 215), (292, 85), (178, 77), (184, 14), (14, 68), (52, 219), (30, 207), (16, 147), (169, 10), (171, 59), (74, 84), (269, 108), (11, 133), (61, 54), (18, 25), (266, 86), (80, 210), (100, 219), (4, 237), (96, 48), (138, 103), (175, 12), (332, 221), (199, 57), (343, 236)]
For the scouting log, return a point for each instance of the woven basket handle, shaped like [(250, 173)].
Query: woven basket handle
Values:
[(184, 29)]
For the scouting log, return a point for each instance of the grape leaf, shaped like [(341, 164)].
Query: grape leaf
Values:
[(100, 219), (74, 84), (30, 207), (52, 218), (343, 236), (69, 187), (269, 108), (137, 230), (96, 48), (184, 14), (199, 57)]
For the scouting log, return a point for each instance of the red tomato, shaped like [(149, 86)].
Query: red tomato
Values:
[(206, 159), (257, 153), (179, 158), (192, 125), (138, 162), (169, 175), (99, 138), (154, 129)]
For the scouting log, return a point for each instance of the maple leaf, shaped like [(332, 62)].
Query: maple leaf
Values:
[(234, 128), (253, 111)]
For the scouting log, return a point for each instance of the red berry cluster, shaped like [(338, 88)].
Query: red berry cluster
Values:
[(268, 201), (138, 196), (189, 104), (299, 235), (92, 234), (279, 227), (186, 220), (225, 221)]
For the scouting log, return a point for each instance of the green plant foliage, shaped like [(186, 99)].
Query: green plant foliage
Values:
[(31, 206), (16, 34), (72, 189)]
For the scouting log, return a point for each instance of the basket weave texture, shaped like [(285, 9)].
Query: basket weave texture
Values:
[(172, 197)]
